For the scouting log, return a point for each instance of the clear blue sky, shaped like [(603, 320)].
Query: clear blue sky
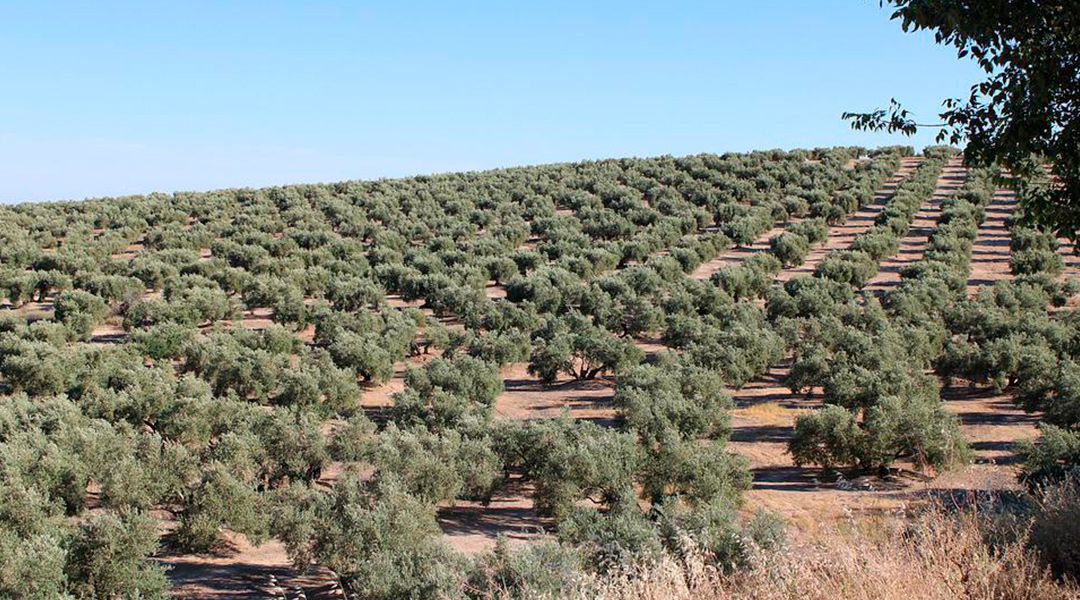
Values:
[(110, 98)]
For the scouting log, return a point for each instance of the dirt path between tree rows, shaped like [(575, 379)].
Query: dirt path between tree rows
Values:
[(990, 252)]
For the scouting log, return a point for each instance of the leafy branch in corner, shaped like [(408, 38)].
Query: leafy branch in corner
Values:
[(1025, 116)]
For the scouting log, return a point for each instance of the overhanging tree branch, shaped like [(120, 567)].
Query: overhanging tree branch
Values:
[(1026, 113)]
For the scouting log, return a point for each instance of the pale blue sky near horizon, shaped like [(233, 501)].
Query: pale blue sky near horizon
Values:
[(114, 98)]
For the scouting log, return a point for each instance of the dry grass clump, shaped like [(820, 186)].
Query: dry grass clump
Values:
[(769, 413), (938, 555), (1055, 528)]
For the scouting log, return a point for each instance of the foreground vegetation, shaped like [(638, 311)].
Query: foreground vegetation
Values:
[(140, 375), (991, 552)]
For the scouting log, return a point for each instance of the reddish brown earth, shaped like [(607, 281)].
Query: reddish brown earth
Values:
[(257, 318), (740, 253), (526, 398), (379, 396), (130, 251), (238, 569), (809, 498), (472, 527)]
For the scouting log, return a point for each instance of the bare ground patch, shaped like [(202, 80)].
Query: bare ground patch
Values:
[(990, 252), (473, 527), (238, 569), (525, 397)]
